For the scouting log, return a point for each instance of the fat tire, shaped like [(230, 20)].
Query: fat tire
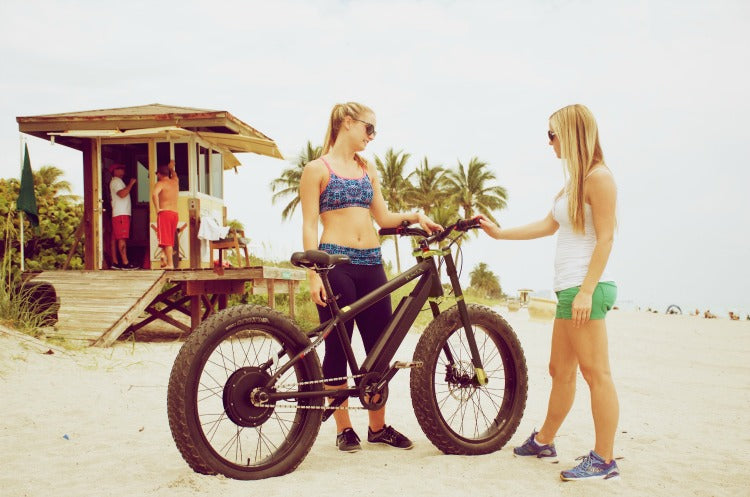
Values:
[(185, 382), (491, 330)]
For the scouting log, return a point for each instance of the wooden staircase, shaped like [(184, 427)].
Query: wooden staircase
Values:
[(96, 307)]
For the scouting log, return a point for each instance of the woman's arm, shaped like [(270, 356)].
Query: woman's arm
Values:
[(309, 194), (387, 219), (601, 194), (544, 227)]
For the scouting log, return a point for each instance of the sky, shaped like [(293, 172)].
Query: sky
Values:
[(667, 81)]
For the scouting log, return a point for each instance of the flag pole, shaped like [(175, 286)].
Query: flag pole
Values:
[(20, 213)]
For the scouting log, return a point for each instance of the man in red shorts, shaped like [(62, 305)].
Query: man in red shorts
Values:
[(121, 209), (164, 196)]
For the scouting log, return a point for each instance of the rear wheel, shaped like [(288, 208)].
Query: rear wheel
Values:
[(457, 414), (216, 426)]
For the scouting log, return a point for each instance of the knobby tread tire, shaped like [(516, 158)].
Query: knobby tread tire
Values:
[(429, 349), (187, 367)]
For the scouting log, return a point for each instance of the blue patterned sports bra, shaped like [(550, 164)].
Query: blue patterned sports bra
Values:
[(340, 192)]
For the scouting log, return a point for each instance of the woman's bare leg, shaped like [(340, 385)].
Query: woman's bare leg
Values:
[(592, 349), (562, 367)]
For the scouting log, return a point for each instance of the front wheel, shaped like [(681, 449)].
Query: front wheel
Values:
[(214, 422), (457, 414)]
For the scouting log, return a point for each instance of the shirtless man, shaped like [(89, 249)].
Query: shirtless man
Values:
[(164, 196)]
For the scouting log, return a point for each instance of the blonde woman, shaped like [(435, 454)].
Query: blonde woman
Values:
[(583, 216), (341, 191)]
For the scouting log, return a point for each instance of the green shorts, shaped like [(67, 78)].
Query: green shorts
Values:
[(602, 300)]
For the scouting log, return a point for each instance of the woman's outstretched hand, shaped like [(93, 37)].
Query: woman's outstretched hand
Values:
[(489, 227)]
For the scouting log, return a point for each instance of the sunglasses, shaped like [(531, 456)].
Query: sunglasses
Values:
[(369, 128), (551, 135)]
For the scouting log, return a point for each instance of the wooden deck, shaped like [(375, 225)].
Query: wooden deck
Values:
[(97, 307)]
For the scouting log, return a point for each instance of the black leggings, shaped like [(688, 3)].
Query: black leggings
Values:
[(351, 282)]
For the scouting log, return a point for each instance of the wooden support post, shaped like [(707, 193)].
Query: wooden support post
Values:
[(91, 207), (195, 311), (270, 284), (292, 287), (194, 213), (76, 241)]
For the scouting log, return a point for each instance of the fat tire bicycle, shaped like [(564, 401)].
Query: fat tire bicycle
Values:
[(246, 395)]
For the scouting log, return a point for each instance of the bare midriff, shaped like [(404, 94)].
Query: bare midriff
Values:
[(349, 227)]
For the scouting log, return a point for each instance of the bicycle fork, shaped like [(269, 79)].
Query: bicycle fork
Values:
[(480, 374)]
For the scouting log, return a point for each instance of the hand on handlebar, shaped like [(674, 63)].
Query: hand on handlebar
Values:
[(428, 224), (489, 227)]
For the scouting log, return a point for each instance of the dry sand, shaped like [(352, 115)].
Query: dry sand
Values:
[(94, 422)]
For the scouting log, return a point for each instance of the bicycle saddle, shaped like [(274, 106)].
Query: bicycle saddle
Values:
[(312, 258)]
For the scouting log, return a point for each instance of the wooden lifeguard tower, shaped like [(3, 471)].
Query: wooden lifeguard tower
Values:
[(523, 296), (98, 305)]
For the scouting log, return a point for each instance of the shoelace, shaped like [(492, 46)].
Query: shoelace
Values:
[(351, 437), (392, 434), (586, 464)]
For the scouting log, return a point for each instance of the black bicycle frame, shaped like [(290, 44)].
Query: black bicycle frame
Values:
[(379, 358)]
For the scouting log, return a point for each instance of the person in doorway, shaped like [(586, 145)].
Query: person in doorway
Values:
[(341, 191), (583, 216), (164, 197), (121, 211)]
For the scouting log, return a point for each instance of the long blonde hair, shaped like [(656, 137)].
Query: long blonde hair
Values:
[(338, 114), (580, 150)]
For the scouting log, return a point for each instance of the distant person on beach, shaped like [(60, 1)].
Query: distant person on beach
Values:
[(583, 216), (341, 191), (164, 197), (121, 210)]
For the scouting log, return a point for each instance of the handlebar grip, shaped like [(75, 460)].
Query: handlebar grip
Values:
[(390, 231), (467, 224), (403, 230)]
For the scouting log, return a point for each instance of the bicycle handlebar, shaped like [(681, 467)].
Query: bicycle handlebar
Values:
[(406, 230)]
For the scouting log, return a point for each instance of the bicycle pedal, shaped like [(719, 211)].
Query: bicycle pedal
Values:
[(407, 364)]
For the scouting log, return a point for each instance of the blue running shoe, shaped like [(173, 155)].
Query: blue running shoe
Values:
[(592, 467), (531, 448)]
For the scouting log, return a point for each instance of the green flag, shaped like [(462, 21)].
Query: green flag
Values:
[(26, 199)]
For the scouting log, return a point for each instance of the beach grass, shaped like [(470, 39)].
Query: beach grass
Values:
[(19, 306)]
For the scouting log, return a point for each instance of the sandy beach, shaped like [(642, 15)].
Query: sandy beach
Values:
[(94, 422)]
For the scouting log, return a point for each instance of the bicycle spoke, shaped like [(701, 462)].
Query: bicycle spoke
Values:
[(470, 410)]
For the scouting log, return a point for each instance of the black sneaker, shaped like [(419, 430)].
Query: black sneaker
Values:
[(389, 436), (115, 266), (129, 266), (348, 441)]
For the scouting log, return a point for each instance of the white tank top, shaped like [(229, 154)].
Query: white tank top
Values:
[(574, 250)]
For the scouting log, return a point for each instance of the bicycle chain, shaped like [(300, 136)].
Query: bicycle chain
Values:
[(313, 382)]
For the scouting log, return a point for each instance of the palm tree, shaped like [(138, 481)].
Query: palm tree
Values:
[(288, 183), (393, 185), (47, 183), (472, 192), (485, 281), (427, 191)]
